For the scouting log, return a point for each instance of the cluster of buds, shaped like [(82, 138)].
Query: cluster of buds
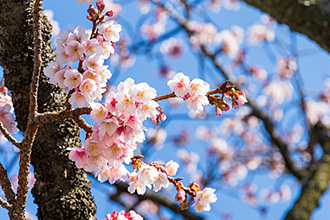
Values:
[(95, 14), (237, 97), (161, 116)]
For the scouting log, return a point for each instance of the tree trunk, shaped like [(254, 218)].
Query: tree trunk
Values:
[(61, 190), (317, 183), (312, 21)]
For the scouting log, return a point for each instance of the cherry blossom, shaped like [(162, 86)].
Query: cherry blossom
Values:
[(110, 31), (194, 92), (122, 215), (179, 84), (172, 46), (259, 33), (204, 198)]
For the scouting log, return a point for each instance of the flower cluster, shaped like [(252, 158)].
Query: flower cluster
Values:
[(89, 80), (155, 175), (6, 113), (118, 130), (207, 34), (122, 215), (260, 33), (203, 33), (172, 46), (231, 41), (286, 67), (193, 91)]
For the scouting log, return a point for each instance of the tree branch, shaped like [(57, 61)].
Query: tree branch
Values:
[(31, 128), (312, 21), (317, 184), (10, 138), (269, 125), (5, 204), (6, 185), (160, 200)]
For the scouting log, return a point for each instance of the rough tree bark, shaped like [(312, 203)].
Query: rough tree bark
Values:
[(61, 191), (312, 21)]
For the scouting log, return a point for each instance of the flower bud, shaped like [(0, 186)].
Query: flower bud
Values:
[(109, 13), (100, 5), (163, 116), (218, 111)]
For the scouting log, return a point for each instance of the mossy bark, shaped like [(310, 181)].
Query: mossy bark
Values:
[(312, 20), (61, 190)]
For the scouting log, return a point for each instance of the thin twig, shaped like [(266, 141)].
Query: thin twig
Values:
[(5, 204), (83, 124), (10, 138), (31, 128), (49, 117), (6, 185)]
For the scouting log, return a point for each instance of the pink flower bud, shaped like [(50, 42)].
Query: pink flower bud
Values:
[(163, 116), (234, 104), (218, 111), (100, 5), (186, 96), (109, 13), (240, 97), (155, 120), (181, 196)]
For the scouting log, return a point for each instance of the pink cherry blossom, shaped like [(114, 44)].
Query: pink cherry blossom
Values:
[(72, 78), (161, 181), (196, 102), (198, 86), (110, 31), (171, 167), (99, 112), (204, 198), (51, 70), (179, 84), (79, 156), (74, 50)]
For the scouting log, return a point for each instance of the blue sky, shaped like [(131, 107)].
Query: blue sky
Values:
[(314, 62)]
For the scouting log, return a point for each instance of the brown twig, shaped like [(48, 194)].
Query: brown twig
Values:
[(6, 185), (67, 103), (49, 117), (10, 138), (32, 128), (5, 204), (83, 124), (163, 97)]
